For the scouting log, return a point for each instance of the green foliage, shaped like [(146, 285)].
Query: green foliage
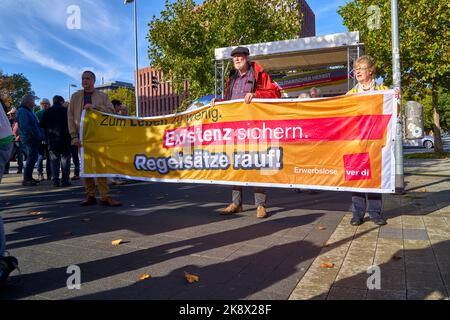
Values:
[(443, 107), (126, 96), (183, 39), (424, 40), (13, 87), (424, 32)]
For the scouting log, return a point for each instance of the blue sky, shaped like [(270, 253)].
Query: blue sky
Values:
[(36, 41)]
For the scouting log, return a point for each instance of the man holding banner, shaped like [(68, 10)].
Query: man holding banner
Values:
[(89, 98), (248, 80)]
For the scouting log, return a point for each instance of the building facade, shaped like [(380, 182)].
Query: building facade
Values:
[(157, 96), (114, 85), (308, 28)]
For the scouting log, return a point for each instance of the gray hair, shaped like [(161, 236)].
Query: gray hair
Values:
[(316, 89), (28, 98)]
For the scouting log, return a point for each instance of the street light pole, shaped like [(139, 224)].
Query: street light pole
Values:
[(396, 79), (136, 77), (71, 85)]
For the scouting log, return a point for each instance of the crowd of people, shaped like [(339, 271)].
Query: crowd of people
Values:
[(52, 133)]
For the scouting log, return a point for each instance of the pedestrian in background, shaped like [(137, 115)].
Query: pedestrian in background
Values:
[(43, 153), (31, 136), (54, 122)]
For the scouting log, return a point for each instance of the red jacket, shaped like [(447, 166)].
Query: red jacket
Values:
[(263, 85)]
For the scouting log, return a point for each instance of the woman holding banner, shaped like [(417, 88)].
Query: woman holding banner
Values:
[(365, 75)]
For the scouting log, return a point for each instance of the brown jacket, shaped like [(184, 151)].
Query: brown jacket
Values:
[(100, 101)]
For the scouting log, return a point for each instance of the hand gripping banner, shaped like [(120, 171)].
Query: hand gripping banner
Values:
[(343, 143)]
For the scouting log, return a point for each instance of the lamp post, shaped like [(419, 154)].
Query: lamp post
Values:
[(71, 85), (136, 76), (399, 173)]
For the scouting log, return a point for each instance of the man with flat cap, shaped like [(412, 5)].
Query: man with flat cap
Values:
[(248, 80)]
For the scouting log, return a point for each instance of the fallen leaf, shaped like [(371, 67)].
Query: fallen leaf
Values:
[(35, 213), (326, 244), (327, 265), (321, 228), (145, 276), (42, 219), (396, 258), (422, 190), (191, 277), (116, 242), (67, 233)]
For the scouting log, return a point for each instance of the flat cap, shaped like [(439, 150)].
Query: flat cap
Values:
[(241, 50)]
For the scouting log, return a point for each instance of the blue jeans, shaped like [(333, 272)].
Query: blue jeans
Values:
[(373, 202), (44, 153), (60, 158), (32, 155), (5, 154)]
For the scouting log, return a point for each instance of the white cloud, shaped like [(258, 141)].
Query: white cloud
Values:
[(33, 55)]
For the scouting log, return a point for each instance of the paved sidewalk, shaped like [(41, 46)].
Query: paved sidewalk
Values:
[(412, 251), (172, 228)]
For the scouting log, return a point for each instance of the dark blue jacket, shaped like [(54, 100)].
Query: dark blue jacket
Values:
[(54, 122), (29, 129)]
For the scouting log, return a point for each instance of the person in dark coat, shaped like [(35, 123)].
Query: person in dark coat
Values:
[(54, 122)]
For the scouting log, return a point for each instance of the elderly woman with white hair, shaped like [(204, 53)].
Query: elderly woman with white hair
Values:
[(365, 69)]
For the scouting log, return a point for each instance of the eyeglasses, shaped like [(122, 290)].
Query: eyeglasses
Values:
[(359, 69)]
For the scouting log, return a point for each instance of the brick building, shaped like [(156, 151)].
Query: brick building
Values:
[(309, 20), (157, 96)]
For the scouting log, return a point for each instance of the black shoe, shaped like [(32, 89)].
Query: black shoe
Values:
[(6, 172), (356, 221), (76, 178), (379, 221), (7, 265), (35, 181), (66, 184), (19, 171), (56, 183), (29, 183)]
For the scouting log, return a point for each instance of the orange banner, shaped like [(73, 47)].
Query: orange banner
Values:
[(340, 143)]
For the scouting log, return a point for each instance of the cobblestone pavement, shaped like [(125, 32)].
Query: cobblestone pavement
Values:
[(412, 251)]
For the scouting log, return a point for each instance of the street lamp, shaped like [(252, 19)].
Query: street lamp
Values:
[(73, 86), (136, 81)]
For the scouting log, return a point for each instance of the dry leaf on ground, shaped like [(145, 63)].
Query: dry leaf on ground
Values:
[(327, 265), (42, 219), (191, 277), (396, 258), (117, 242), (321, 228), (145, 276), (35, 213)]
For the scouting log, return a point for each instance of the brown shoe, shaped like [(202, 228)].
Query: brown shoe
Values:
[(261, 212), (90, 200), (110, 202), (232, 208)]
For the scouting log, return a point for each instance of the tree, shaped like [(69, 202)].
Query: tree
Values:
[(14, 87), (183, 39), (444, 110), (126, 96), (424, 38)]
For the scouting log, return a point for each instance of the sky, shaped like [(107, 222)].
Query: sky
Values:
[(45, 40)]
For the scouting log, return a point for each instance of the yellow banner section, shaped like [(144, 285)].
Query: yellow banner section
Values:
[(340, 143)]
